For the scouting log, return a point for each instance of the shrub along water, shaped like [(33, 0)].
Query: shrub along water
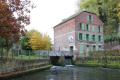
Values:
[(109, 59)]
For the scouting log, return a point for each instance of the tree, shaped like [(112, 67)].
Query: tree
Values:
[(25, 45), (118, 9), (47, 42), (14, 15), (38, 41), (89, 5), (108, 11)]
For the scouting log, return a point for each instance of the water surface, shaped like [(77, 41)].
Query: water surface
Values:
[(76, 73)]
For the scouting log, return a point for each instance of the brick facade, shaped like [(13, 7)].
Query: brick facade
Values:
[(82, 32)]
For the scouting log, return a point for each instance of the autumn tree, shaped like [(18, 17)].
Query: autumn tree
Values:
[(14, 15), (47, 45), (24, 42), (38, 41)]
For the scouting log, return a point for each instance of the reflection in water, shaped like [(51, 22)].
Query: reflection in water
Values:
[(77, 73)]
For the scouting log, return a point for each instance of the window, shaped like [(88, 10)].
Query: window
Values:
[(93, 37), (87, 27), (80, 26), (71, 49), (80, 36), (93, 28), (94, 47), (99, 47), (87, 37), (89, 17), (99, 29), (99, 38), (87, 46), (82, 49)]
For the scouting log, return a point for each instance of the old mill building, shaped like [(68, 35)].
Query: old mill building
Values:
[(82, 32)]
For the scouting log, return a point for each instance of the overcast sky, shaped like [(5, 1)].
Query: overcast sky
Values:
[(49, 13)]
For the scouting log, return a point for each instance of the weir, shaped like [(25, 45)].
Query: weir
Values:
[(61, 57)]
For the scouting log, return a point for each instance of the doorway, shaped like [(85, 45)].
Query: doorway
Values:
[(71, 48)]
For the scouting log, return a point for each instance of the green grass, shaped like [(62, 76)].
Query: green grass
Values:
[(31, 57), (109, 64)]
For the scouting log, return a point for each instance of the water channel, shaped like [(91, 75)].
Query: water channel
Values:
[(76, 73)]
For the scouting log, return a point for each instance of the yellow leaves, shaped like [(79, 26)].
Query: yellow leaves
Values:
[(118, 10), (35, 40), (46, 42), (38, 41)]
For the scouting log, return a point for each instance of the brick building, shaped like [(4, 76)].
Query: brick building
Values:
[(82, 32)]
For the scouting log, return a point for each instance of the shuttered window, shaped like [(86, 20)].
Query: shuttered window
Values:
[(80, 36), (93, 37)]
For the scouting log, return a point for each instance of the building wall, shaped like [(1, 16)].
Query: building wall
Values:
[(64, 35), (67, 34), (94, 25)]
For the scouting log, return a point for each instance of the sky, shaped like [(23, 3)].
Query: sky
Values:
[(49, 13)]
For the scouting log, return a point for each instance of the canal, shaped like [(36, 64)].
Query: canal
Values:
[(76, 73)]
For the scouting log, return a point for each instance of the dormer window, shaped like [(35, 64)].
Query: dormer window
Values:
[(90, 18)]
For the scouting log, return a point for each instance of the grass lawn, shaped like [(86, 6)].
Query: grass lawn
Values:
[(109, 64), (31, 57)]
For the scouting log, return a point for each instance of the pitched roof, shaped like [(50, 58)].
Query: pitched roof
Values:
[(71, 17)]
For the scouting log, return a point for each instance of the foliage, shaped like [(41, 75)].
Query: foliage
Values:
[(111, 38), (108, 11), (108, 59), (39, 41), (36, 41), (89, 5), (46, 42), (25, 43), (30, 57), (2, 42), (13, 17)]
